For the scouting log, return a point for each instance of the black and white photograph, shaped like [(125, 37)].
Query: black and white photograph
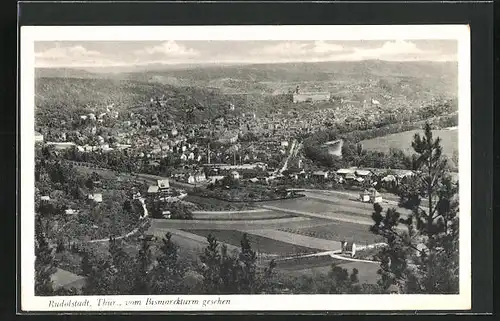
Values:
[(245, 168)]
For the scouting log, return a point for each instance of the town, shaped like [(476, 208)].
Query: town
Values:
[(184, 180)]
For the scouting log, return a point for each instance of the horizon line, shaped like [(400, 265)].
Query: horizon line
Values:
[(185, 64)]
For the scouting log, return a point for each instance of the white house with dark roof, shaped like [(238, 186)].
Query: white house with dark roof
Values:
[(96, 197), (153, 189), (163, 183)]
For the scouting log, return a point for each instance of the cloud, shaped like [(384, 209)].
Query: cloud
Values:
[(398, 50), (173, 52), (293, 50), (73, 52), (325, 48), (169, 49)]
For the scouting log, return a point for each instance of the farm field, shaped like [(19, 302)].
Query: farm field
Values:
[(235, 216), (212, 204), (259, 243), (449, 141), (367, 271), (307, 263), (311, 205), (293, 222), (343, 231), (297, 239)]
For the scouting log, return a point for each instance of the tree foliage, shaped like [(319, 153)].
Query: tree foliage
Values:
[(422, 252), (44, 261)]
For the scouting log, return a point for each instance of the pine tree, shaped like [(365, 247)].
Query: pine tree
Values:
[(210, 260), (142, 284), (121, 270), (86, 265), (169, 271), (230, 272), (44, 261), (247, 260), (341, 282), (422, 257)]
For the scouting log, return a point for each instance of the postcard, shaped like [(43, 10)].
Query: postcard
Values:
[(245, 168)]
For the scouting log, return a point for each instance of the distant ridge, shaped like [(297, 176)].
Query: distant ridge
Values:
[(262, 71)]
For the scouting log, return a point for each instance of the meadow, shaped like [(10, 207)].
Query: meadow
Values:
[(403, 140), (259, 243)]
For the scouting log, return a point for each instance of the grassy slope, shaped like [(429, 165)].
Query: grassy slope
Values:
[(260, 244), (403, 141)]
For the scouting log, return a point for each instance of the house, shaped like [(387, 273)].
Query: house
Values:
[(163, 184), (351, 176), (235, 175), (96, 197), (284, 144), (213, 179), (38, 137), (363, 173), (364, 196), (348, 248), (320, 174), (61, 145), (389, 178), (196, 178), (70, 211), (375, 196), (166, 214), (344, 172), (153, 189)]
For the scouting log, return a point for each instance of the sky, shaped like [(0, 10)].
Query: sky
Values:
[(74, 54)]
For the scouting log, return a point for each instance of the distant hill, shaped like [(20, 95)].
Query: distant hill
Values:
[(267, 77), (79, 94), (256, 88)]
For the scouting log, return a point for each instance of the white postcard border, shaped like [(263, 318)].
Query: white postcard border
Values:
[(314, 302)]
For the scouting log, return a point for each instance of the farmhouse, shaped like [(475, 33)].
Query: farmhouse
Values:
[(348, 248), (163, 184)]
